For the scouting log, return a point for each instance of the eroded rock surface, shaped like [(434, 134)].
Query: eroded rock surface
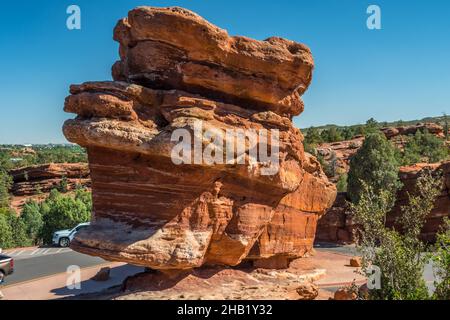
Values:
[(176, 71), (32, 180)]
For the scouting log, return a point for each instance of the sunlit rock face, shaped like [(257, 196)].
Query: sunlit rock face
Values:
[(178, 71)]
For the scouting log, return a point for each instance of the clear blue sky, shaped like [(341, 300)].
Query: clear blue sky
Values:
[(399, 72)]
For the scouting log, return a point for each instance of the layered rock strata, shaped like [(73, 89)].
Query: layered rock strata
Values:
[(179, 72), (32, 180)]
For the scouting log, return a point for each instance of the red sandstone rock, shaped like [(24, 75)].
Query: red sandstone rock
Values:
[(355, 262), (29, 180), (308, 291), (432, 128), (173, 48), (149, 211), (345, 294)]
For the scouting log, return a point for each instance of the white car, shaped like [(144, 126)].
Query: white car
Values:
[(63, 238)]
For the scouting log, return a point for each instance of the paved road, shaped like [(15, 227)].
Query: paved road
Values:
[(30, 266)]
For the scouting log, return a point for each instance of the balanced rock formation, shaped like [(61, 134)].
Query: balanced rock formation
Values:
[(28, 181), (179, 73), (337, 224)]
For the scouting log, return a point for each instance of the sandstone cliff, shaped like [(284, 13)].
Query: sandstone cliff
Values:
[(31, 180), (177, 69), (337, 224)]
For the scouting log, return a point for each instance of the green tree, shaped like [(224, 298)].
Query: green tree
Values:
[(342, 184), (20, 237), (372, 126), (62, 212), (424, 147), (441, 266), (6, 235), (63, 185), (32, 218), (375, 165), (313, 136), (399, 256), (5, 185), (331, 135), (348, 133)]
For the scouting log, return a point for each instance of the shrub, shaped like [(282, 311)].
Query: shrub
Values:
[(341, 184), (5, 184), (32, 218), (424, 147), (63, 212), (399, 256), (375, 165), (12, 230), (441, 259), (6, 236)]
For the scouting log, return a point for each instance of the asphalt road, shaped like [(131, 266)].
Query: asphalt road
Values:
[(29, 266)]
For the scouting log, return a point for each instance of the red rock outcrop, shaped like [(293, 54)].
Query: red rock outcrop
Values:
[(337, 224), (176, 71), (432, 128), (173, 48), (28, 181)]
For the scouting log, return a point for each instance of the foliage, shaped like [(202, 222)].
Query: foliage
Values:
[(12, 230), (372, 126), (441, 259), (32, 218), (342, 184), (5, 185), (374, 164), (13, 156), (64, 212), (6, 236), (63, 185), (424, 147), (398, 255)]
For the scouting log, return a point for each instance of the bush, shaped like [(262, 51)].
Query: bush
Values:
[(441, 259), (32, 218), (375, 165), (399, 256), (5, 184), (64, 212), (6, 236), (424, 147), (341, 184), (12, 230)]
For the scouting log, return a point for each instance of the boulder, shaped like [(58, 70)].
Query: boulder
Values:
[(167, 213), (102, 275), (345, 294), (355, 262), (308, 291), (173, 48)]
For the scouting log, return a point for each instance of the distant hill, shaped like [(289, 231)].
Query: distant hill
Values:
[(438, 120)]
